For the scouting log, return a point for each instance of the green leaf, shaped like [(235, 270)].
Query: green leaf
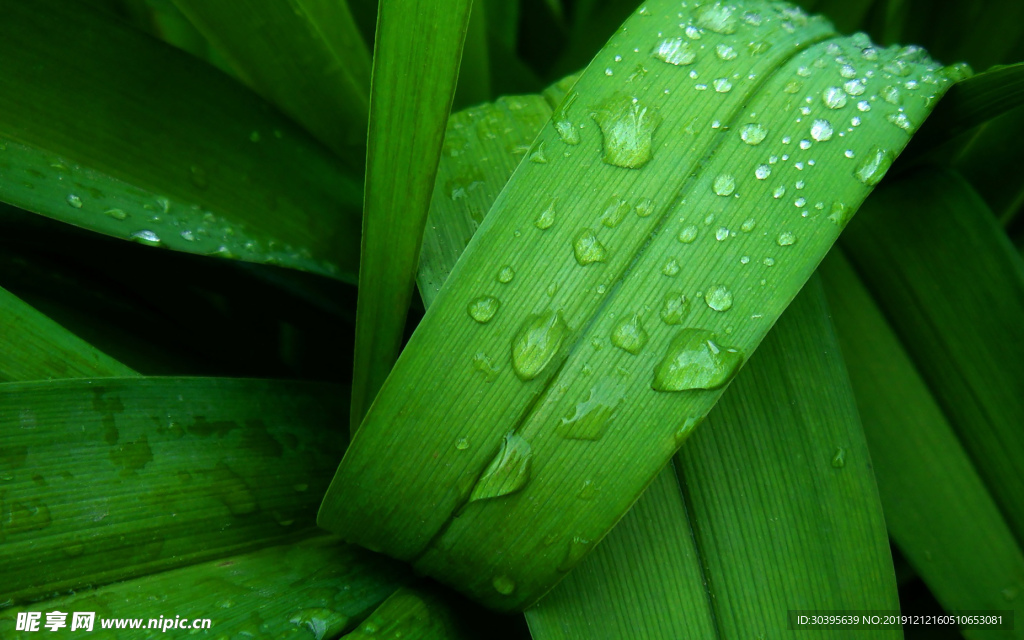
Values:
[(414, 75), (33, 347), (185, 159), (316, 588), (108, 478), (937, 508), (579, 328), (965, 336), (305, 56), (411, 614)]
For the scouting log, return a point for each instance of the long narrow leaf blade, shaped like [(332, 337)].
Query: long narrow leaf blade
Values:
[(155, 473), (938, 510), (416, 65), (184, 157), (578, 328), (305, 56)]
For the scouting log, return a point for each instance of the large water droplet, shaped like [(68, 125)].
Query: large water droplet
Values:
[(508, 471), (717, 17), (675, 51), (537, 342), (724, 185), (821, 130), (834, 98), (718, 298), (615, 211), (588, 249), (753, 134), (696, 361), (629, 335), (627, 128), (482, 309), (589, 419), (872, 168)]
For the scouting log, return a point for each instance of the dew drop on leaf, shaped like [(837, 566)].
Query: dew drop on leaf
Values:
[(630, 335), (615, 210), (785, 239), (753, 134), (508, 471), (718, 17), (546, 217), (718, 298), (688, 234), (839, 458), (834, 98), (506, 274), (482, 309), (724, 185), (589, 419), (695, 360), (504, 585), (537, 342), (675, 308), (872, 168), (645, 208), (146, 237), (821, 130), (74, 201), (588, 249), (675, 51), (671, 268), (627, 129)]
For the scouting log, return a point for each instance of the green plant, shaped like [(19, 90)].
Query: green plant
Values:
[(638, 230)]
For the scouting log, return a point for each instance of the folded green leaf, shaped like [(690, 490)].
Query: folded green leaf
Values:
[(414, 74), (33, 347), (104, 479), (103, 127), (937, 508), (410, 614), (305, 56), (687, 206), (965, 336), (318, 588)]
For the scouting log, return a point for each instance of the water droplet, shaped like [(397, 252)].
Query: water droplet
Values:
[(578, 548), (538, 155), (821, 130), (688, 234), (718, 298), (722, 85), (506, 274), (589, 419), (785, 239), (898, 67), (717, 17), (762, 171), (840, 214), (692, 32), (645, 208), (319, 621), (146, 237), (482, 309), (671, 268), (537, 342), (847, 71), (684, 430), (725, 52), (588, 249), (900, 120), (695, 361), (588, 491), (799, 184), (504, 585), (627, 128), (872, 168), (779, 192), (848, 153), (116, 214), (854, 87), (675, 51), (630, 335), (721, 234), (753, 134), (891, 95), (834, 98), (508, 471), (769, 262), (482, 364), (74, 201), (805, 145), (724, 185), (615, 210), (675, 308), (748, 225), (567, 131), (546, 217), (839, 459)]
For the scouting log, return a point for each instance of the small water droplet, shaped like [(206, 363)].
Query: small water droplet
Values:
[(847, 71), (785, 239), (508, 471), (839, 459), (675, 51), (504, 585), (671, 268), (567, 131), (615, 210), (753, 134), (589, 419), (821, 130), (644, 208), (537, 342), (769, 262), (630, 335), (588, 249), (722, 85), (719, 298), (462, 444), (588, 491), (718, 17), (872, 168), (627, 128), (779, 192), (805, 145), (840, 214), (546, 217), (721, 234), (482, 364), (900, 120), (724, 184), (675, 308), (578, 548), (748, 225), (538, 156), (834, 98), (74, 201), (482, 309), (684, 430), (695, 360), (898, 67), (146, 237), (725, 52), (762, 171), (506, 274), (116, 214)]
